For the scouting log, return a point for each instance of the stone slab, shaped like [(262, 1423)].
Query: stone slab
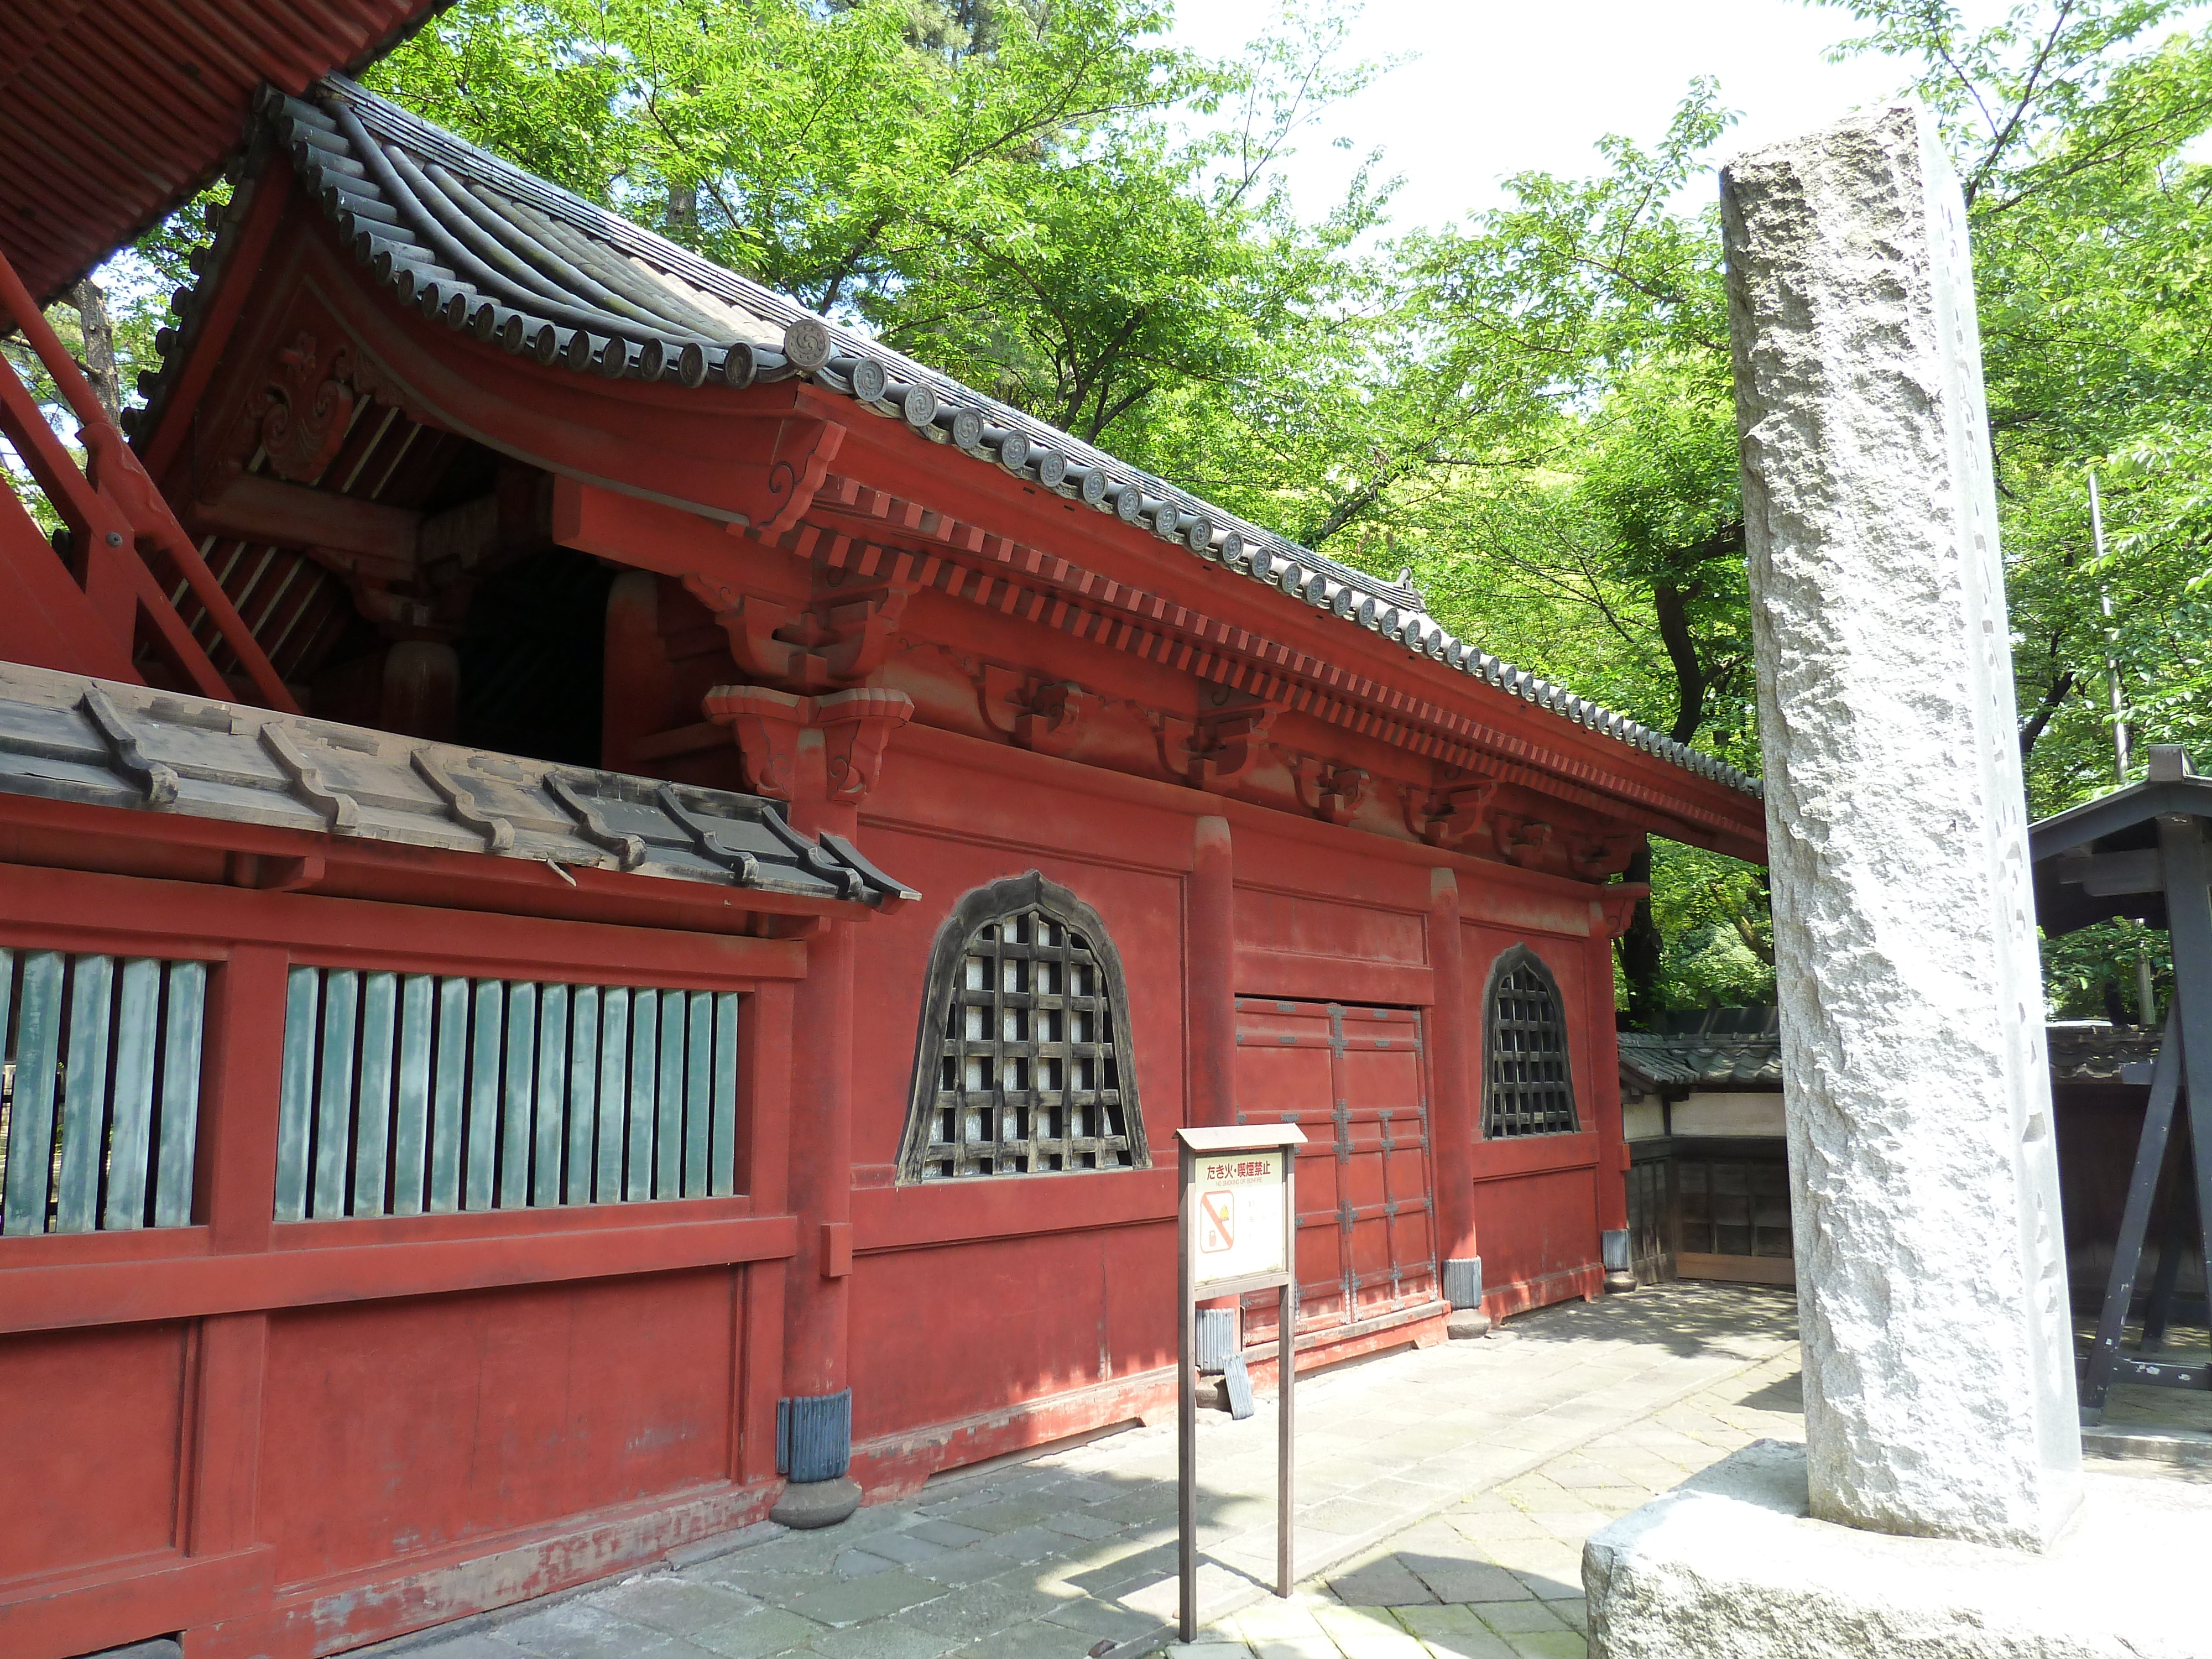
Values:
[(1732, 1563), (2167, 1446)]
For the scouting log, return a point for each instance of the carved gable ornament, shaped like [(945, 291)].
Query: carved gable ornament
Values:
[(300, 415)]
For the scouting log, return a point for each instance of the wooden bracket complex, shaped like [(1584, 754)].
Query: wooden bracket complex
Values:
[(1449, 817), (856, 726), (1595, 857), (832, 642), (1617, 906), (1329, 791), (1220, 745), (765, 723), (1523, 841), (1044, 716)]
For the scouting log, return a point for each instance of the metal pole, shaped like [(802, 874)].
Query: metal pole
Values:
[(1286, 1363), (2146, 991), (1186, 1405), (2111, 662)]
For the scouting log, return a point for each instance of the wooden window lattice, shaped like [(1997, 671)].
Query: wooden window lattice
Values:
[(409, 1094), (1028, 1075), (1528, 1093), (100, 1093)]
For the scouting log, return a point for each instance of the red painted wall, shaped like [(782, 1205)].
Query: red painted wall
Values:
[(90, 1439), (416, 1425), (291, 1439)]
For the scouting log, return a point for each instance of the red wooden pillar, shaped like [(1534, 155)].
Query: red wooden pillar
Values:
[(1451, 1110), (764, 1137), (242, 1072), (815, 1415), (1210, 1017), (821, 755), (1211, 984)]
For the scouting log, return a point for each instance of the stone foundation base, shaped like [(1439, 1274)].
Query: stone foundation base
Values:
[(1464, 1324), (1732, 1563), (807, 1503)]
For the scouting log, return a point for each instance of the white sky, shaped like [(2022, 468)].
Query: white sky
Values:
[(1505, 86)]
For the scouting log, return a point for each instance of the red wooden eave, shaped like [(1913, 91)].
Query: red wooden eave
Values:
[(112, 112)]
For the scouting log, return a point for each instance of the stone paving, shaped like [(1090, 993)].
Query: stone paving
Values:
[(1444, 1494), (1498, 1575)]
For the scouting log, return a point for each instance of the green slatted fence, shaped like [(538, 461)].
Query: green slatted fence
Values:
[(99, 1108), (412, 1094)]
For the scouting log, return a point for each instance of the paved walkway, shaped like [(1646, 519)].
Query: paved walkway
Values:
[(1499, 1574), (1444, 1497)]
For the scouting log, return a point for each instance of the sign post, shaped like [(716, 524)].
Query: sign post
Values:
[(1237, 1231)]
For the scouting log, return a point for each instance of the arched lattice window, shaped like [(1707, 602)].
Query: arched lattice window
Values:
[(1526, 1089), (1022, 1066)]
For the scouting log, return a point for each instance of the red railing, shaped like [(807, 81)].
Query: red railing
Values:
[(95, 612)]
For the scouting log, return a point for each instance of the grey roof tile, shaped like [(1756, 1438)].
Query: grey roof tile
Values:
[(66, 737), (2094, 1052), (1702, 1060), (2082, 1052)]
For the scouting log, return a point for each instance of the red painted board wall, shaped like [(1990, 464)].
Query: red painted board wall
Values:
[(89, 1439), (1535, 1198), (415, 1424), (970, 1263)]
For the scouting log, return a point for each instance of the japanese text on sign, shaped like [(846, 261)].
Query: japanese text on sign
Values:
[(1240, 1216)]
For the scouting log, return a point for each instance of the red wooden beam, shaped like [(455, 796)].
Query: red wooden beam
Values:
[(189, 1286), (390, 884), (291, 515)]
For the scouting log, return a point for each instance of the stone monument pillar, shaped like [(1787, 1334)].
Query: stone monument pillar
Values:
[(1939, 1508), (1939, 1368)]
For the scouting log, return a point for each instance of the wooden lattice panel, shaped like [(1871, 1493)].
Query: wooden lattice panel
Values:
[(1028, 1072), (1528, 1091)]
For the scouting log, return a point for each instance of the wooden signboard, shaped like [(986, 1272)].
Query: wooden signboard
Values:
[(1237, 1231)]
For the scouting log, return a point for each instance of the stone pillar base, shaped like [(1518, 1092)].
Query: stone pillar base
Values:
[(1612, 1249), (1731, 1563), (807, 1503), (1464, 1324)]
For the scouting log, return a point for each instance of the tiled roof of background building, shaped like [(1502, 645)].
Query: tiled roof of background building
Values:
[(1701, 1061), (1742, 1049)]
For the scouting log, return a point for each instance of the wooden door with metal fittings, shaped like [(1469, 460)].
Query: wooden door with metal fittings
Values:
[(1350, 1077)]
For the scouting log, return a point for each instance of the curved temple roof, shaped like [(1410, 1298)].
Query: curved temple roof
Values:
[(67, 736), (473, 241)]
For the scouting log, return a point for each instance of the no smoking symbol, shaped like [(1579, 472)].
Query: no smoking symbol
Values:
[(1217, 1223)]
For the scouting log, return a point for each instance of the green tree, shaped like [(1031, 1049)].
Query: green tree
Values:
[(2072, 123)]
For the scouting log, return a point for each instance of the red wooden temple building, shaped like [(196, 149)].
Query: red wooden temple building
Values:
[(612, 894)]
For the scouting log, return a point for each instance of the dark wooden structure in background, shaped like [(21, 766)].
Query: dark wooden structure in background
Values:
[(512, 691), (1708, 1173), (2141, 853)]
